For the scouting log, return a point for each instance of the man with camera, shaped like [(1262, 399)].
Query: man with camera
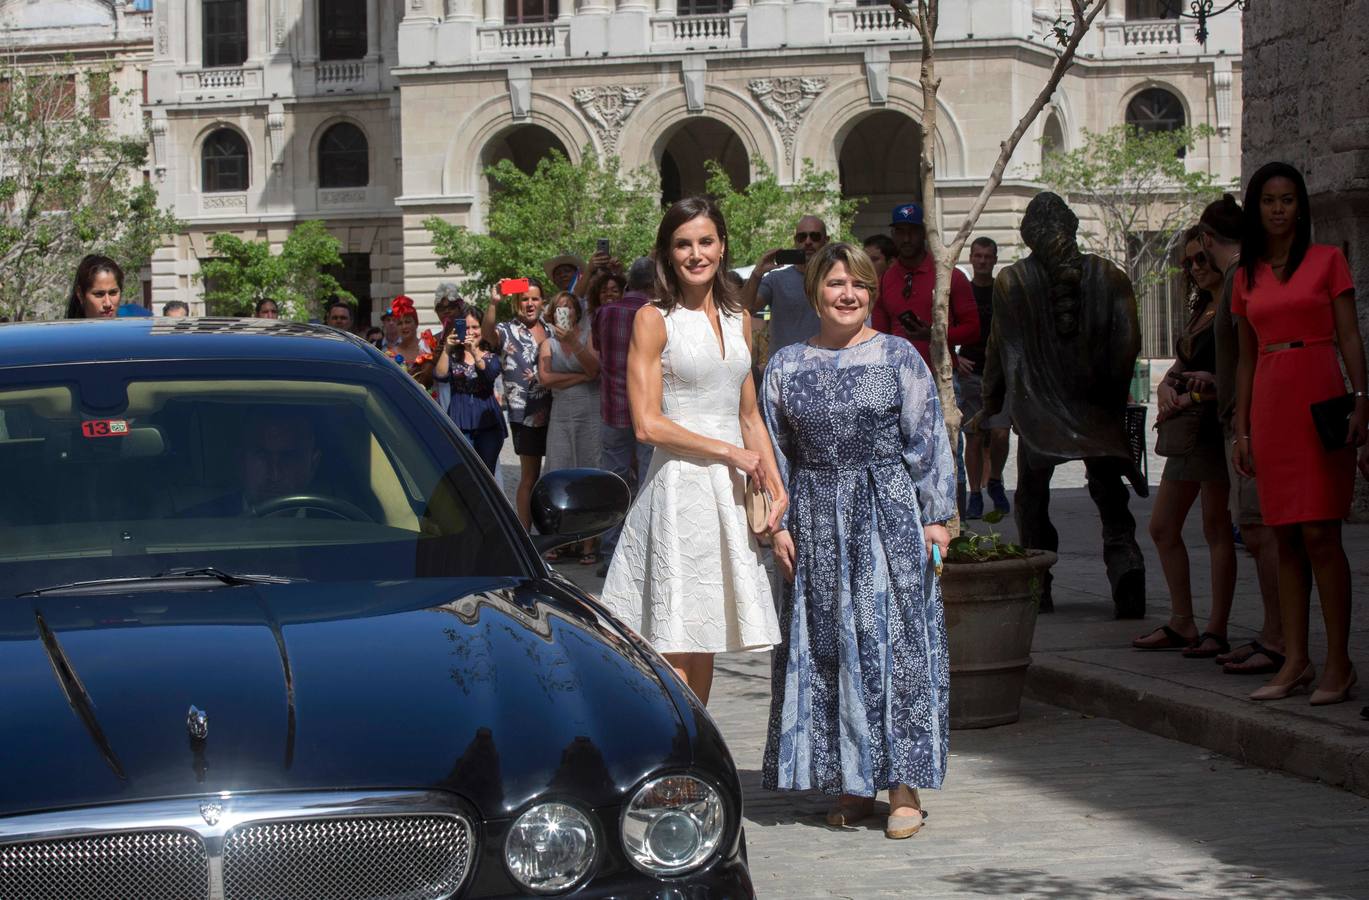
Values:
[(792, 317)]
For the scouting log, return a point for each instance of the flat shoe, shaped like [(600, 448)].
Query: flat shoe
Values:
[(842, 815), (897, 828)]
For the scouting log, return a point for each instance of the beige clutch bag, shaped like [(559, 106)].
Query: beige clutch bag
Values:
[(757, 505)]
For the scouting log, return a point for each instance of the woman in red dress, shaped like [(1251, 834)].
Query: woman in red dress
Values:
[(1295, 305)]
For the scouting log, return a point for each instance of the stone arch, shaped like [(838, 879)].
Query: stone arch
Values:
[(317, 137), (685, 148), (879, 158), (649, 130), (838, 110), (1053, 136), (461, 170)]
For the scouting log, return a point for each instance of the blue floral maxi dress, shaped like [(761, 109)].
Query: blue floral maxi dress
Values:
[(860, 684)]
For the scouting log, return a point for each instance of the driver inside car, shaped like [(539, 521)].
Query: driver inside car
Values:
[(279, 458)]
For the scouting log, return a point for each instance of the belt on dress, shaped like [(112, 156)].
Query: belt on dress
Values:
[(1294, 345)]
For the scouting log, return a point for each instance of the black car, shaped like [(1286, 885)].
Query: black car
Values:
[(269, 630)]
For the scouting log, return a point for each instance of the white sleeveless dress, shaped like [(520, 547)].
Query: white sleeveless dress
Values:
[(687, 572)]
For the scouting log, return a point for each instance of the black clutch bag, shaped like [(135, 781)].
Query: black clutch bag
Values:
[(1332, 420)]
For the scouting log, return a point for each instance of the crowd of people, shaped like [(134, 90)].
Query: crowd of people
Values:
[(835, 457)]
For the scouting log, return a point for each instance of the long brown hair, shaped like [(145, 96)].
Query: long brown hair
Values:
[(89, 267), (668, 291)]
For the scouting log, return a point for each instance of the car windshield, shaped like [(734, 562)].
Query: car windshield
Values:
[(306, 478)]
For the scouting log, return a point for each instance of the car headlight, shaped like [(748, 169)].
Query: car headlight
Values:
[(550, 848), (673, 824)]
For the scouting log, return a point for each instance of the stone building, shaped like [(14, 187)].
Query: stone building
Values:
[(70, 40), (1307, 103), (376, 114)]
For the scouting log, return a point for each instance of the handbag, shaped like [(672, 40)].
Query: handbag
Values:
[(1179, 434), (757, 504), (1135, 424), (1331, 418)]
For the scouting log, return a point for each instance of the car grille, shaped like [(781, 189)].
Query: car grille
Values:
[(150, 865), (396, 845), (391, 857)]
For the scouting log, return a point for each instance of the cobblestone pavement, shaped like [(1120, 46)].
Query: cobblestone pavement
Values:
[(1057, 805)]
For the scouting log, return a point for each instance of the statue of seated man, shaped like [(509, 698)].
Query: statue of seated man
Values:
[(1064, 341)]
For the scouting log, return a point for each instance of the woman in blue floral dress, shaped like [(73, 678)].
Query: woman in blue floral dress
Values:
[(860, 684)]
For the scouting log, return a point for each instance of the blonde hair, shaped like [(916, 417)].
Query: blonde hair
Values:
[(857, 262)]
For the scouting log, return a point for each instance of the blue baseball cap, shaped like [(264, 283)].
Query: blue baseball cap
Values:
[(907, 214)]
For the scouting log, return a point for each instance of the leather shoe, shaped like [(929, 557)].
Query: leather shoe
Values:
[(1326, 698), (1280, 691)]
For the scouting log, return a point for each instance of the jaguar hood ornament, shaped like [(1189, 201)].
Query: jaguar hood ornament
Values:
[(211, 811), (197, 723)]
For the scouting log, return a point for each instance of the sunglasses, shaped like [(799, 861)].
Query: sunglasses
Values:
[(1197, 259), (814, 236), (907, 285)]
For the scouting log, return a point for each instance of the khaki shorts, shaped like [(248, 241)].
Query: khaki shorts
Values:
[(1245, 498)]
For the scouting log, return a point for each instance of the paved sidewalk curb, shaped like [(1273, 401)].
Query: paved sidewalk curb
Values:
[(1241, 730)]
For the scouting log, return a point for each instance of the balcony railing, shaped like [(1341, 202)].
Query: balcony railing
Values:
[(699, 32), (213, 79), (340, 72), (1162, 34), (867, 23), (220, 83), (543, 39)]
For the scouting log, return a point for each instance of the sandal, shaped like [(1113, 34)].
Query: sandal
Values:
[(589, 558), (552, 556), (850, 810), (897, 828), (1196, 651), (1240, 654), (1173, 640), (1241, 666)]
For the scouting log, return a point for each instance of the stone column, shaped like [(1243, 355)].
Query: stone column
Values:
[(494, 12), (665, 7), (372, 29), (585, 8), (1117, 10), (308, 32)]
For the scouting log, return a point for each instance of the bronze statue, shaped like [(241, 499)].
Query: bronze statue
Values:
[(1061, 352)]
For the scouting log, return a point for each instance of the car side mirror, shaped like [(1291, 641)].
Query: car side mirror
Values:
[(571, 505)]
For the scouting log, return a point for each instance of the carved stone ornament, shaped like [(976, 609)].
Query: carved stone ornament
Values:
[(608, 108), (787, 100)]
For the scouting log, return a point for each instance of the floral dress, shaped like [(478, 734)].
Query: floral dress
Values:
[(860, 685)]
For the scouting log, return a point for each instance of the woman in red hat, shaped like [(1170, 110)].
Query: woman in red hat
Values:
[(415, 353)]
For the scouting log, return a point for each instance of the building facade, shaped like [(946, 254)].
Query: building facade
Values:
[(376, 114)]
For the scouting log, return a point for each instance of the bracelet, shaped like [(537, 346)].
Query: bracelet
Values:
[(1360, 394)]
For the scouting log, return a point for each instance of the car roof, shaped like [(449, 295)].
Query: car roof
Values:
[(133, 339)]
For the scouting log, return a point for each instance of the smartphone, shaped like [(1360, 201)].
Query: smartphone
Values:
[(562, 318), (510, 286), (601, 246), (789, 258), (459, 326), (910, 321)]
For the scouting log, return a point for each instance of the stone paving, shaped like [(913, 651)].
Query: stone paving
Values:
[(1057, 805)]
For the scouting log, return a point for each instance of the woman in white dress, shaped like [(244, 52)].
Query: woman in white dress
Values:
[(687, 572)]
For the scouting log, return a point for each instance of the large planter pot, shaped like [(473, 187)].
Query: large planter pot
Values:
[(990, 620)]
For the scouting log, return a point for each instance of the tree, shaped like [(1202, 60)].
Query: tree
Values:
[(761, 216), (1139, 190), (922, 15), (70, 184), (243, 273), (561, 207)]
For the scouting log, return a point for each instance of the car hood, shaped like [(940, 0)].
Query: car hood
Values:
[(498, 690)]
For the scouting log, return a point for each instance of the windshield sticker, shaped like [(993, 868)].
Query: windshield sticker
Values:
[(98, 428)]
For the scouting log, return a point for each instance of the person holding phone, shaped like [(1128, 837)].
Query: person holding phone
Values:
[(568, 366), (904, 305), (526, 400), (468, 370), (791, 316)]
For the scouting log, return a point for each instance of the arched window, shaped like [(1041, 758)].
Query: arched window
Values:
[(1155, 109), (343, 157), (1052, 137), (224, 162)]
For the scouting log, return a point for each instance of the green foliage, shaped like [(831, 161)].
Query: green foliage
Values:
[(762, 215), (298, 278), (70, 184), (1141, 192), (562, 207), (973, 547)]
